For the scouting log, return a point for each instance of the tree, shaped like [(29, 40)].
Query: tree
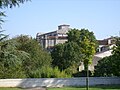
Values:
[(65, 55), (10, 3), (80, 47), (38, 57), (11, 59), (110, 66), (116, 57), (87, 44), (57, 55), (103, 67), (116, 48), (22, 57), (2, 36)]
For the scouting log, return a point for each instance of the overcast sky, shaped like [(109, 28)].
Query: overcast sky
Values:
[(100, 16)]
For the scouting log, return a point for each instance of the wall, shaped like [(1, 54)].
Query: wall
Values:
[(58, 82)]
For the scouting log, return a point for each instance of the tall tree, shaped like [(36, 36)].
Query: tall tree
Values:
[(66, 55), (79, 48), (38, 57), (11, 60), (10, 57), (87, 44)]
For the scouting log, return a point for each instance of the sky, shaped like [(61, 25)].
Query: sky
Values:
[(99, 16)]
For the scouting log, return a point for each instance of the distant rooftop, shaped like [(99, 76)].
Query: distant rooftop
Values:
[(63, 26)]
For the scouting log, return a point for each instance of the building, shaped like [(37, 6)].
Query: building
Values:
[(106, 44), (48, 40)]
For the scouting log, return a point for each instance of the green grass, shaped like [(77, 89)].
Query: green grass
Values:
[(3, 88), (115, 87)]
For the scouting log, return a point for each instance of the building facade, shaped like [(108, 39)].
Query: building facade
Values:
[(50, 39)]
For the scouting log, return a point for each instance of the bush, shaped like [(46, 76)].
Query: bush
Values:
[(82, 74), (49, 72), (71, 70)]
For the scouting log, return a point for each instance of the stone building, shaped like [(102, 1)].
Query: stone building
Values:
[(48, 40)]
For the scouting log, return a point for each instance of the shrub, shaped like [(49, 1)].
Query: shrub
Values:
[(82, 74), (48, 72)]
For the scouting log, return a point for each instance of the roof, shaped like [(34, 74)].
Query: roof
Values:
[(63, 25), (103, 42)]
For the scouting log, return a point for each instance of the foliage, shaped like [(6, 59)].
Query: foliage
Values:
[(2, 14), (2, 36), (80, 47), (10, 3), (65, 55), (103, 67), (82, 74), (78, 36), (49, 72), (116, 48), (72, 69), (110, 66), (22, 57), (38, 57), (11, 60), (74, 35), (87, 44)]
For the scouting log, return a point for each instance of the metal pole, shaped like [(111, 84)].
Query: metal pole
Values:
[(87, 79)]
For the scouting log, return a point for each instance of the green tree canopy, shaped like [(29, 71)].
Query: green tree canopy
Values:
[(87, 44), (80, 47), (11, 59), (65, 55), (22, 57), (38, 57)]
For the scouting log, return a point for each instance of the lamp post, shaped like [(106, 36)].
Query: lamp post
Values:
[(87, 78), (86, 68)]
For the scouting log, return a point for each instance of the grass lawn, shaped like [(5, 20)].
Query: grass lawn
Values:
[(115, 87), (2, 88)]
